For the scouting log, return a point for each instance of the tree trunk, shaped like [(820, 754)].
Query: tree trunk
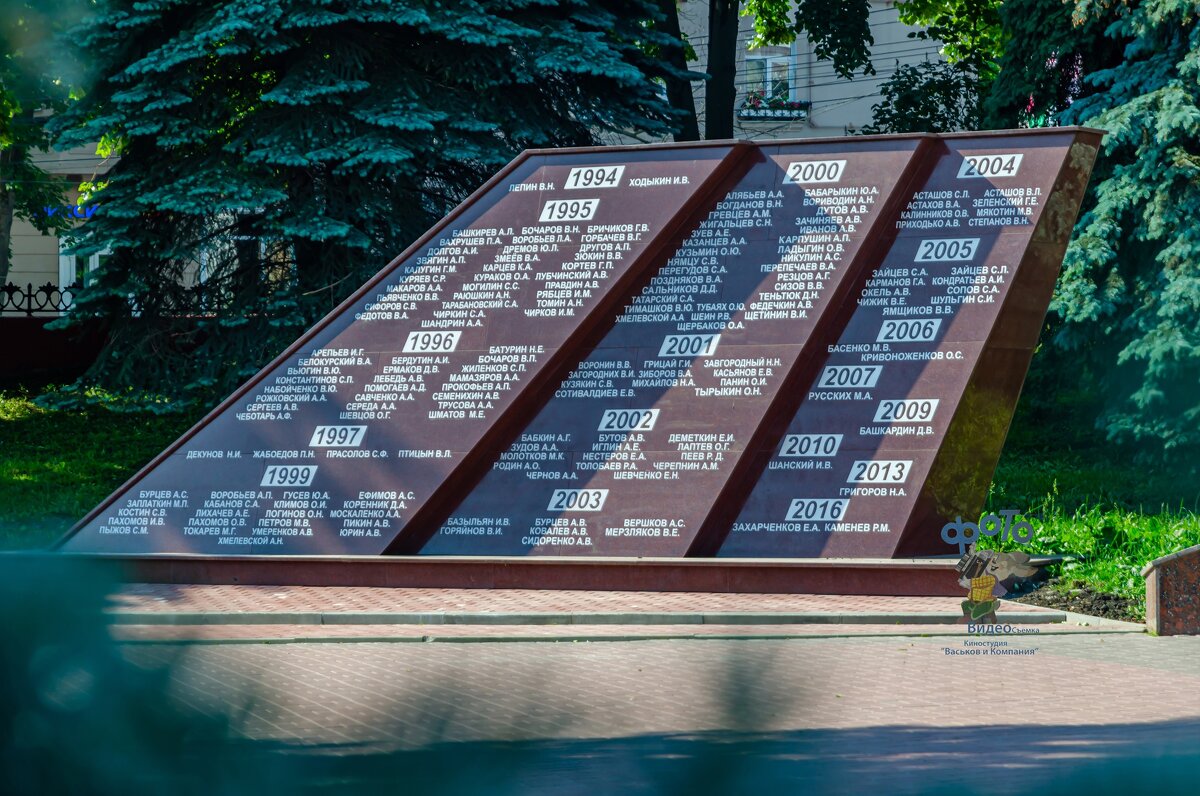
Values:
[(679, 90), (722, 62), (8, 202)]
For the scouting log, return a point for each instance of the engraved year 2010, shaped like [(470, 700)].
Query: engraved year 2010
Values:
[(819, 509), (569, 210), (289, 475), (814, 171), (912, 330), (594, 177), (577, 500), (1000, 165), (689, 345), (628, 420), (888, 471), (812, 446), (906, 410), (337, 436), (431, 342), (947, 250)]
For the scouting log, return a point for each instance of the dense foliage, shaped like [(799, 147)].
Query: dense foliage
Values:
[(1130, 289), (30, 88), (275, 153)]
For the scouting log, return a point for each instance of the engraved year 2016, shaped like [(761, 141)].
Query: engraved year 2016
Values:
[(628, 420), (689, 345), (947, 250), (594, 177), (835, 376), (1001, 165), (816, 509), (906, 410), (806, 171), (887, 471), (911, 330), (431, 342), (289, 475), (569, 210), (810, 446), (337, 436), (577, 500)]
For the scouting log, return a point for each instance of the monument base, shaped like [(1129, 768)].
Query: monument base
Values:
[(909, 577)]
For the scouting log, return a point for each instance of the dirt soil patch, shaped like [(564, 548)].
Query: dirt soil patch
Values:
[(1083, 600)]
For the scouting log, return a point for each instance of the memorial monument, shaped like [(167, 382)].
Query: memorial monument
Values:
[(796, 349)]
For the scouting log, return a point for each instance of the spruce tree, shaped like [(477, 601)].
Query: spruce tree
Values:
[(284, 150), (1130, 288)]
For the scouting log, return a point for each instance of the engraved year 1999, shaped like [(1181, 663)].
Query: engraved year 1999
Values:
[(594, 177), (577, 500), (568, 210), (289, 475), (887, 471), (628, 420), (689, 345)]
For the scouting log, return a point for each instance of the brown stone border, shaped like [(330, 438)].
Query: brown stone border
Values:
[(934, 577), (1173, 593)]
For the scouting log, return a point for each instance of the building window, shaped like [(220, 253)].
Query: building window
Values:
[(770, 74)]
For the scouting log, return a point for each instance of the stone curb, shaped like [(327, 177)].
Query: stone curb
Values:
[(585, 638), (560, 618)]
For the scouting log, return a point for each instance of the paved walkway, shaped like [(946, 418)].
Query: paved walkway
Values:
[(1062, 713)]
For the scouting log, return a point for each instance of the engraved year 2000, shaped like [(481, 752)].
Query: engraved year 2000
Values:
[(805, 171)]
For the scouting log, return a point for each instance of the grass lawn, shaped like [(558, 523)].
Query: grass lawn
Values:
[(1084, 497), (56, 466)]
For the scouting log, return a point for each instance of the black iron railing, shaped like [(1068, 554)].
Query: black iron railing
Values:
[(30, 300)]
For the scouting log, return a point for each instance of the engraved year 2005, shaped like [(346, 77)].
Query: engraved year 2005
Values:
[(947, 250)]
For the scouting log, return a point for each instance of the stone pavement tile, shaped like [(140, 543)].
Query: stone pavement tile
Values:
[(194, 598), (408, 695), (272, 632)]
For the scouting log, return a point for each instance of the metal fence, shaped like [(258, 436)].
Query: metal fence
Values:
[(30, 300)]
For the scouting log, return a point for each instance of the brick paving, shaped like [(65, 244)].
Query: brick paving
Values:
[(196, 598), (414, 632), (888, 714)]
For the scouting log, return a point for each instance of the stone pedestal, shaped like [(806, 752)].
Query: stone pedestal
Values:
[(1173, 593)]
